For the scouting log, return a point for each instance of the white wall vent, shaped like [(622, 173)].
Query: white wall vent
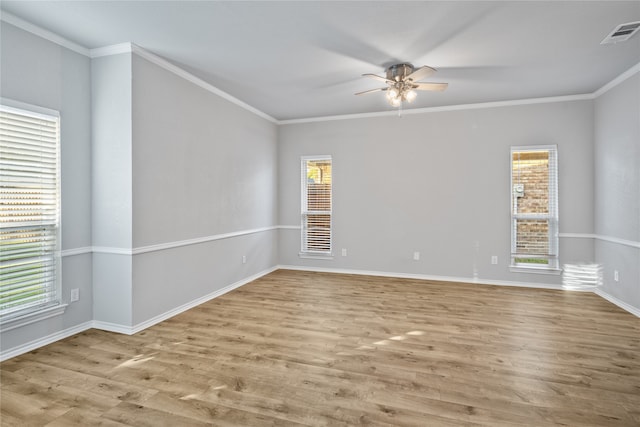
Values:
[(621, 33)]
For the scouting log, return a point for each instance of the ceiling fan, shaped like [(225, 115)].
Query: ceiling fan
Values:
[(403, 83)]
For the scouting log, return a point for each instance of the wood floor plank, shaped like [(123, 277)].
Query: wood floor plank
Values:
[(191, 406), (31, 408), (138, 415), (318, 349), (82, 417)]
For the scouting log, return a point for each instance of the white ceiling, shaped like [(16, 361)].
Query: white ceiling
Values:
[(302, 59)]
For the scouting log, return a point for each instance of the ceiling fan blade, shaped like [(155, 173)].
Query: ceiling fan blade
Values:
[(421, 73), (431, 86), (372, 90), (380, 78)]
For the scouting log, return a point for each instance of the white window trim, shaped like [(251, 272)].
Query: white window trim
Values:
[(33, 316), (555, 271), (314, 254), (36, 110), (57, 307), (554, 223)]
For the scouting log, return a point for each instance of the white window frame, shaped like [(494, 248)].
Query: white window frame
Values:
[(552, 216), (304, 252), (52, 306)]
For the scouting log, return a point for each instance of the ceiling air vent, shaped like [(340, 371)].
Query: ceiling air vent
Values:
[(622, 32)]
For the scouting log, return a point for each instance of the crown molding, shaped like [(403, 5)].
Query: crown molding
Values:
[(115, 49), (129, 48), (479, 105), (41, 32), (568, 98), (163, 63), (167, 65), (615, 82)]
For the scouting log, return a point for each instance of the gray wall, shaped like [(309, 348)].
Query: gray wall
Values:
[(41, 73), (617, 189), (202, 167), (197, 165), (112, 204), (437, 183), (170, 162), (111, 140)]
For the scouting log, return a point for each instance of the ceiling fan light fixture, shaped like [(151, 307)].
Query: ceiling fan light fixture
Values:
[(403, 81), (410, 95)]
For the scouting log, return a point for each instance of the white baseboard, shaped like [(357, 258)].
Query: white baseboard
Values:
[(124, 329), (130, 330), (111, 327), (41, 342), (422, 277), (159, 318), (623, 305)]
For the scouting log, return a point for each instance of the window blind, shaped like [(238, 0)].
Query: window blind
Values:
[(316, 205), (534, 207), (29, 211)]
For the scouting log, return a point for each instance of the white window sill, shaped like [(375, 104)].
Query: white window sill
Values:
[(535, 270), (31, 317), (307, 255)]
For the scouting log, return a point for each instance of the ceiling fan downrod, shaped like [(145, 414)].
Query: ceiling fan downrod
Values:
[(398, 72)]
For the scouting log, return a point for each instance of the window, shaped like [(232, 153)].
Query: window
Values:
[(534, 207), (316, 205), (29, 212)]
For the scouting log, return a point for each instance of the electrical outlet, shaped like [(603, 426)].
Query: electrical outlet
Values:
[(494, 259), (344, 252), (616, 276), (75, 294), (416, 256), (244, 259)]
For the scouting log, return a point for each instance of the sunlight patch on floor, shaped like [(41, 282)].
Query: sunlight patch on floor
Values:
[(137, 360)]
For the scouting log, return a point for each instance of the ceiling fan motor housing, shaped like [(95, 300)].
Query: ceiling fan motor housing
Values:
[(399, 72)]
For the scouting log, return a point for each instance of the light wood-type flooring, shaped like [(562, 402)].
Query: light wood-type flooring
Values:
[(316, 349)]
